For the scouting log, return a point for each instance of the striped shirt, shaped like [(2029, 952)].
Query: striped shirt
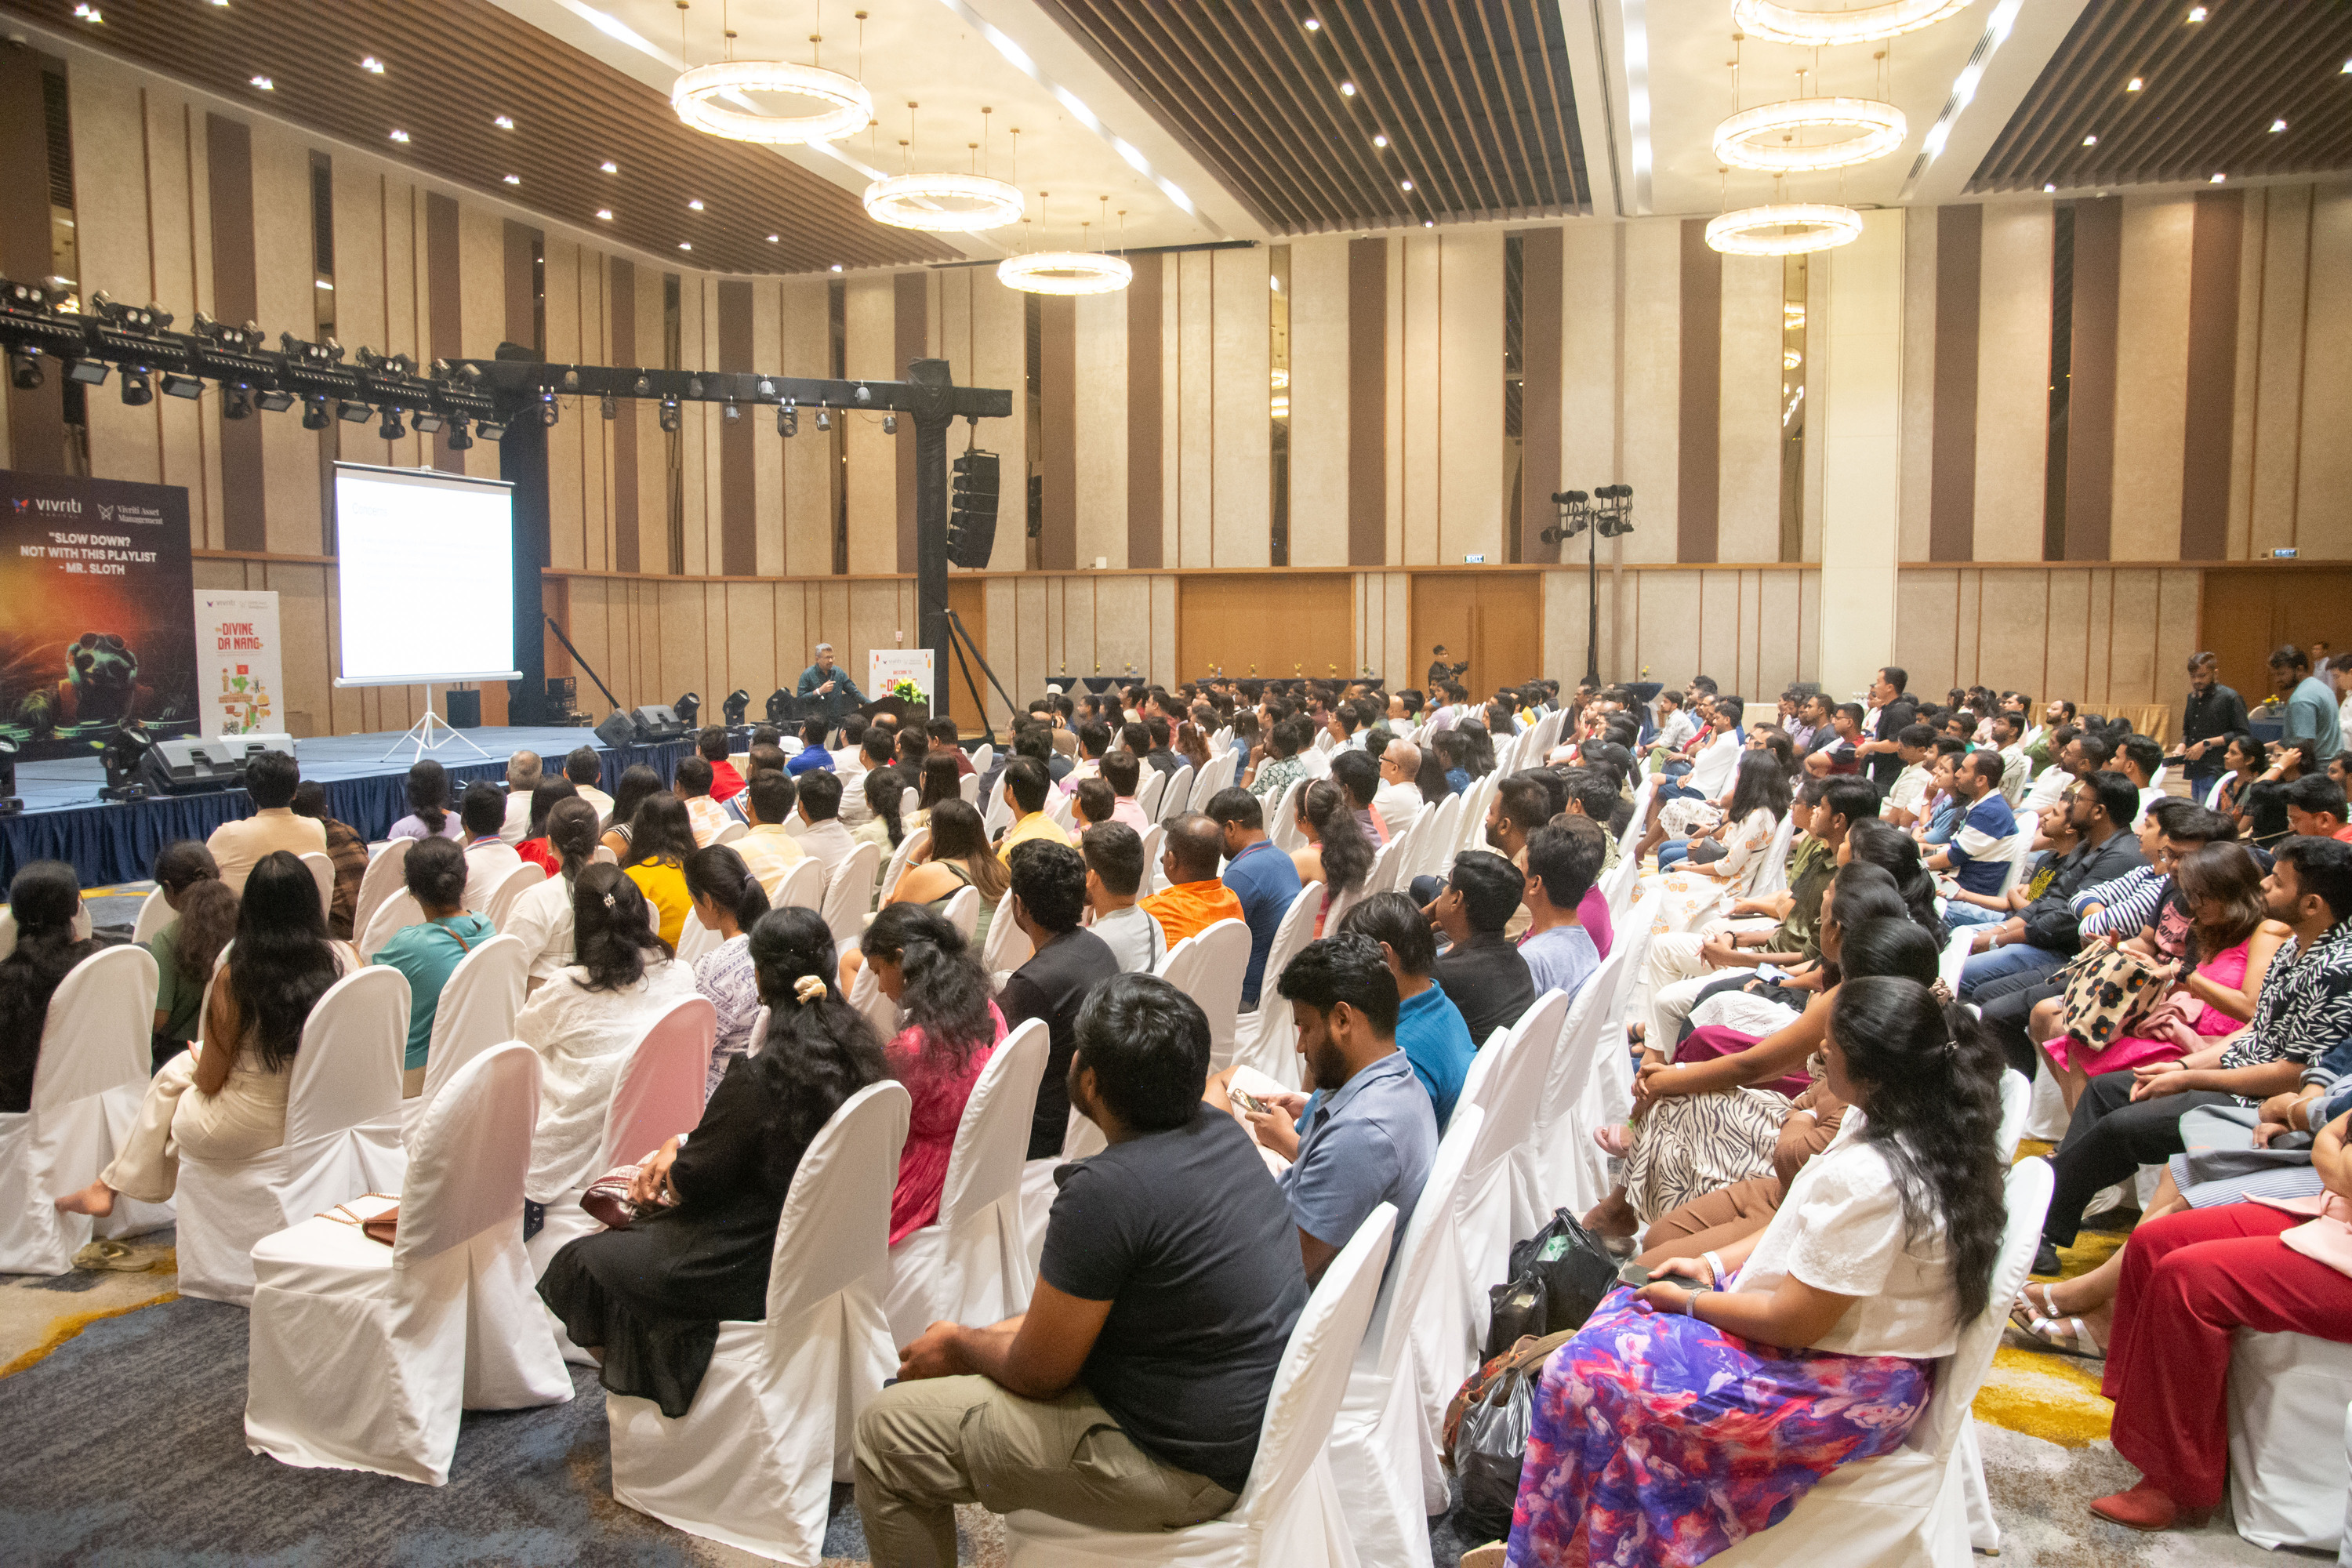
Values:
[(2130, 902)]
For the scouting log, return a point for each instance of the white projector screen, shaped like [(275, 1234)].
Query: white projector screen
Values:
[(425, 571)]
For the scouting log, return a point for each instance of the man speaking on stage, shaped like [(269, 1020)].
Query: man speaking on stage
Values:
[(828, 686)]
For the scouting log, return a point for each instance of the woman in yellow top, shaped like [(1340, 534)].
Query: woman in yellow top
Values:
[(661, 836)]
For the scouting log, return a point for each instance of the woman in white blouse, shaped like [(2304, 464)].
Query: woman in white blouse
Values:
[(1692, 1413), (542, 918), (730, 900), (584, 1020)]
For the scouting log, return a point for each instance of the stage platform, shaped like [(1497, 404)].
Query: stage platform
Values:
[(108, 841)]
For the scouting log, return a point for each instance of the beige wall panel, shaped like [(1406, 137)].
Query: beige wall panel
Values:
[(1319, 402), (2014, 381), (1567, 627), (1172, 422), (1034, 650), (183, 458), (1817, 297), (568, 444), (2176, 628), (2279, 385), (752, 660), (1193, 454), (1809, 635), (873, 622), (1470, 489), (767, 449), (1778, 598), (1079, 628), (2064, 619), (681, 654), (1003, 641), (2324, 495), (2132, 674), (1859, 419), (2151, 377), (795, 648), (1396, 615), (1967, 649), (408, 313), (482, 297), (871, 317), (1751, 635), (1164, 631), (808, 466), (2008, 611), (1714, 601), (1240, 439), (301, 593), (653, 446), (1925, 633), (2253, 248), (1748, 463), (1653, 413), (698, 321), (111, 246), (1420, 430), (1667, 633), (1122, 625), (1001, 358), (362, 225), (219, 575), (1393, 405), (588, 623), (2098, 634), (282, 276), (1589, 393), (1920, 228), (1099, 430)]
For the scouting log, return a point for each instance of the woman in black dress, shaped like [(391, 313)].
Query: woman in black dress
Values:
[(647, 1301)]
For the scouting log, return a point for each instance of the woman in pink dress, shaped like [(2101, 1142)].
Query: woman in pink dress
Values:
[(2210, 932), (949, 1029)]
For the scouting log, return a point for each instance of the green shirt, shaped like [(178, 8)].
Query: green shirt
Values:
[(1813, 865), (179, 1002), (426, 953)]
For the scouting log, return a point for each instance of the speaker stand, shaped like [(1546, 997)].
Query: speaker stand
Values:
[(431, 733)]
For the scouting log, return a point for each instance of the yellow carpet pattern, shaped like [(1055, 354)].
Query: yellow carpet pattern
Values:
[(2040, 1392)]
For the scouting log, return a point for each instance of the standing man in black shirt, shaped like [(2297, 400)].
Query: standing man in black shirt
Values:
[(1130, 1394), (1891, 712), (2213, 713), (1049, 895)]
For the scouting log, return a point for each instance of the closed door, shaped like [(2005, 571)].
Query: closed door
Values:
[(1493, 619), (2249, 611)]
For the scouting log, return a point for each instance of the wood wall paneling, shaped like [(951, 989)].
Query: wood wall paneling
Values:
[(2156, 279), (1697, 515), (1543, 267), (2208, 414), (2012, 420), (1959, 238), (1367, 394), (2090, 406), (1145, 417), (1272, 624)]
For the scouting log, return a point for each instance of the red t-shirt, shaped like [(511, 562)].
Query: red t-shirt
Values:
[(724, 780), (542, 854)]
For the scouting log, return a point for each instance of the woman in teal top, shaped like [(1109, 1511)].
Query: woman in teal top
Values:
[(427, 953), (186, 949)]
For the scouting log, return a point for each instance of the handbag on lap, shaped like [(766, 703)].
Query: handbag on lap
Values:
[(2109, 990)]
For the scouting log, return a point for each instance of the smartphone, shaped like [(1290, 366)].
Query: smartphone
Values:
[(1248, 1102), (1772, 972), (1632, 1274)]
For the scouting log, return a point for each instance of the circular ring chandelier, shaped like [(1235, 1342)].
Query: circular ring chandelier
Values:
[(948, 202), (1764, 137), (1784, 228), (849, 106), (1065, 272), (1779, 24)]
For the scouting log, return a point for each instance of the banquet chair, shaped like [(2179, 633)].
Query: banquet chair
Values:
[(996, 811), (982, 756), (1282, 822), (82, 927), (1155, 879), (155, 914), (971, 1264), (1060, 807), (1564, 1178), (1907, 1508), (1288, 1514), (1208, 966), (2287, 1473), (322, 871), (967, 787), (1498, 1203), (362, 1356), (909, 801), (801, 886), (732, 833), (477, 1011), (1176, 799), (500, 906), (1216, 775), (1384, 1443), (87, 1082), (343, 1138), (753, 1460), (695, 940), (918, 839), (379, 883), (1955, 958), (1008, 946), (1148, 790), (1267, 1038), (399, 911), (850, 894), (963, 912)]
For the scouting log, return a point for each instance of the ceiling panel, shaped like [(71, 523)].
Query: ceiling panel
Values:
[(451, 67), (2210, 91), (1473, 95)]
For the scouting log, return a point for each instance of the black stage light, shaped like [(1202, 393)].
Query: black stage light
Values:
[(425, 422), (314, 413), (737, 702), (788, 421), (765, 390), (607, 408), (669, 414), (491, 429), (570, 380), (732, 414), (354, 412), (459, 440), (120, 756), (136, 389), (9, 805), (687, 708), (549, 412), (88, 371), (237, 402), (275, 401), (391, 428), (694, 387), (644, 388), (778, 703), (24, 370), (178, 385), (889, 425), (824, 420)]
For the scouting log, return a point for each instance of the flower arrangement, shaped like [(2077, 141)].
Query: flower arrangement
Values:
[(906, 692)]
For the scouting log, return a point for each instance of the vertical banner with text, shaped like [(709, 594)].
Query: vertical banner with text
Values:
[(238, 673)]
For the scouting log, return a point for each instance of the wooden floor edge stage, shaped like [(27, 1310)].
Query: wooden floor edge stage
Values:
[(107, 842)]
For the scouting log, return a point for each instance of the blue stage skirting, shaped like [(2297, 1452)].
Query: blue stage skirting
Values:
[(107, 842)]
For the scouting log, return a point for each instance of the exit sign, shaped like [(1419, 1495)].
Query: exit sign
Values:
[(2285, 554)]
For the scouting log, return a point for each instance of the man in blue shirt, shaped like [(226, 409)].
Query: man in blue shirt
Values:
[(1563, 859), (1260, 876), (1430, 1029), (812, 756), (1978, 853), (1371, 1139)]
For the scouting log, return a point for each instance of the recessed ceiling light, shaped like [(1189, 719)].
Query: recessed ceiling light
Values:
[(1380, 140), (503, 122), (2219, 178), (1429, 223), (684, 245), (2133, 85), (1347, 89), (605, 212), (2197, 12), (1313, 25), (264, 84), (609, 167), (2348, 69), (2277, 126), (2047, 189), (372, 66), (2090, 140), (836, 267), (1405, 185), (774, 238), (694, 205), (87, 13), (514, 179), (400, 135)]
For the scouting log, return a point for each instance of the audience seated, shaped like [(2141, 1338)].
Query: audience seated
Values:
[(1067, 962), (1122, 771), (203, 918), (2031, 945), (730, 900), (1563, 860), (712, 746), (1274, 763), (227, 1100), (2315, 807), (661, 836), (429, 815), (1482, 970), (585, 766), (1430, 1029), (1338, 853), (46, 900), (812, 757), (1114, 856), (1133, 1391), (768, 847), (817, 822), (1260, 876), (1726, 865), (637, 782), (646, 1301), (533, 846), (270, 781), (948, 1026), (346, 848), (524, 776), (1026, 786), (706, 818), (542, 919), (583, 1021), (1195, 898), (426, 952), (490, 859)]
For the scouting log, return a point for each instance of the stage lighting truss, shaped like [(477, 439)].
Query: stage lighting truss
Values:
[(945, 203), (846, 106), (1065, 272), (1767, 136), (1812, 29), (1784, 228)]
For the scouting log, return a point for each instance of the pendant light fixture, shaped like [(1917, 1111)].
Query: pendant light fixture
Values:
[(945, 202), (1818, 29), (1765, 137), (843, 105), (1065, 271)]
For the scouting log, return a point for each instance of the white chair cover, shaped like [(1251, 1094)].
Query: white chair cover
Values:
[(1497, 1199), (2016, 1099), (1268, 1039), (155, 914), (850, 894), (1435, 854), (1382, 878), (964, 911), (500, 906), (381, 880), (322, 872), (972, 1265), (1955, 958), (398, 910), (917, 840), (477, 1011), (82, 927), (1061, 807), (694, 940), (1565, 1177), (1384, 1444), (753, 1460), (1288, 1514), (1008, 946), (801, 887), (362, 1356), (342, 1139), (1217, 774), (87, 1082), (604, 856), (1148, 792), (1155, 880), (1772, 877), (1282, 826), (2287, 1472), (997, 812), (1176, 797), (909, 801), (982, 756), (1909, 1506), (1209, 966), (732, 833)]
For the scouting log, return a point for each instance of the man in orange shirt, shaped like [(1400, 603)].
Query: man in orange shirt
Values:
[(1195, 898)]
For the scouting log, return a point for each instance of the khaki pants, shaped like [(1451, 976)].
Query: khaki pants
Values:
[(147, 1166), (923, 1447)]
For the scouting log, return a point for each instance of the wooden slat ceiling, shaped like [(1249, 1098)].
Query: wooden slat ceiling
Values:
[(1473, 96), (451, 67), (2211, 90)]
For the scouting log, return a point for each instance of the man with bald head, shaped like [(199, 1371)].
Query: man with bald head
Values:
[(1195, 898), (522, 777), (1398, 800)]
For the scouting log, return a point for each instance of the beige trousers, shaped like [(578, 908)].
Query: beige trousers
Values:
[(247, 1118), (923, 1447), (147, 1167)]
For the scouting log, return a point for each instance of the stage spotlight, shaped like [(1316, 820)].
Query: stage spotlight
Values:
[(889, 425), (88, 371), (607, 408), (731, 413), (687, 708), (9, 805), (491, 429), (644, 388), (314, 413), (694, 387), (570, 380), (737, 702), (237, 402), (459, 440), (24, 370), (353, 412), (779, 704), (178, 385), (120, 756), (669, 414), (275, 400), (765, 390), (788, 421), (425, 422), (391, 428), (548, 411), (136, 389), (824, 420)]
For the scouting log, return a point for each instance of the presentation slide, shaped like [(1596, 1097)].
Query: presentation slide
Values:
[(426, 573)]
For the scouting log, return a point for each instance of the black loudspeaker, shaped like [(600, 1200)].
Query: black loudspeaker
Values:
[(971, 521), (658, 722), (465, 708), (616, 731), (198, 765)]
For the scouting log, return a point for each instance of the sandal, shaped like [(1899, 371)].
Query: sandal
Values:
[(111, 1257), (2047, 1328), (1616, 1140)]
